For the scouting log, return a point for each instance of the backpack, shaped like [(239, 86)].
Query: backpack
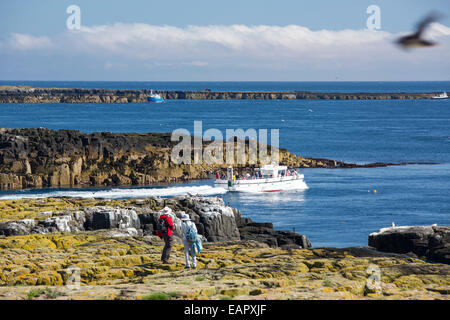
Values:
[(163, 225), (191, 234), (197, 246)]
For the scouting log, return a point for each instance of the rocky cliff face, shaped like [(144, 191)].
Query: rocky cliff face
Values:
[(24, 94), (19, 94), (47, 158), (36, 158), (288, 95)]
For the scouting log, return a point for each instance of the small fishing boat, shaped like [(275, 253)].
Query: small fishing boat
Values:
[(155, 97), (442, 95), (268, 178)]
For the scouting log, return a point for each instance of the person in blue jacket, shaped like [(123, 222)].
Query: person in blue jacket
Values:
[(190, 237)]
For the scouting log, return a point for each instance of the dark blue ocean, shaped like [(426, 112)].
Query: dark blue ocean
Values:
[(340, 208)]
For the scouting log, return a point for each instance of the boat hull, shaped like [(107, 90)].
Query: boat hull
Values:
[(263, 185), (156, 100), (441, 96)]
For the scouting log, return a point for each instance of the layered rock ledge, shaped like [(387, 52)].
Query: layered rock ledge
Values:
[(27, 94), (214, 220), (38, 158)]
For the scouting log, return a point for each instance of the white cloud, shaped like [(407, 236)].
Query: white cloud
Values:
[(145, 41), (437, 31), (149, 41), (21, 41), (261, 47)]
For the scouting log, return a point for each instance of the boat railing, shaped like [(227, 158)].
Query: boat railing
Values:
[(264, 178)]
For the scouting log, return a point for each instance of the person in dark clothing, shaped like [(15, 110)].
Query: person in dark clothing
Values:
[(165, 231)]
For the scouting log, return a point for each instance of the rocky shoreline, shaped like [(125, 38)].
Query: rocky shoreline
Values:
[(111, 244), (27, 94), (40, 158), (426, 242), (214, 220)]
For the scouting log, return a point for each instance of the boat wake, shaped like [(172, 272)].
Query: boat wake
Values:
[(116, 193)]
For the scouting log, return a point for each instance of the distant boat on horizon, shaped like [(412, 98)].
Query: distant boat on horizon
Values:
[(442, 95), (155, 97)]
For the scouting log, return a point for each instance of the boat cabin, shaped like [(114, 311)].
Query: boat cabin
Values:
[(273, 171), (265, 172)]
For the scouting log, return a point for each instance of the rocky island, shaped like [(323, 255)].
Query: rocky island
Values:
[(27, 94), (111, 244), (37, 158)]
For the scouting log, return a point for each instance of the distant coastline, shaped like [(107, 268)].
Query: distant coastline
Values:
[(29, 94)]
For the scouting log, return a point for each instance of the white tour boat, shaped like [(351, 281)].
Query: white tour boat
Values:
[(442, 95), (269, 178)]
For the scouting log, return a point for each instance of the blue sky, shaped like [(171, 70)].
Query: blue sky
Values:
[(182, 40)]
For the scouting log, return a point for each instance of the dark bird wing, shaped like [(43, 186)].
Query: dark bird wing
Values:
[(415, 39), (421, 26)]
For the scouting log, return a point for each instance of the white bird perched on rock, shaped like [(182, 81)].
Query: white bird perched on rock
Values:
[(393, 224)]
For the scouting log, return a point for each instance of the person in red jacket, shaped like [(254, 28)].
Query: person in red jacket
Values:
[(165, 231)]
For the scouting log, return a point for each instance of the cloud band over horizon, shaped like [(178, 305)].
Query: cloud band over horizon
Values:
[(235, 50)]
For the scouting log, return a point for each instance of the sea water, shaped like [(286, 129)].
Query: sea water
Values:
[(340, 208)]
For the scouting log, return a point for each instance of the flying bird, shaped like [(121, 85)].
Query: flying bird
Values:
[(415, 40)]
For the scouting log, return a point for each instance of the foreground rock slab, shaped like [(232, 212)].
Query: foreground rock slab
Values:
[(65, 260), (109, 267)]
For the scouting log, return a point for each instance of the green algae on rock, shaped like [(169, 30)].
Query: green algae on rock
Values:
[(111, 265)]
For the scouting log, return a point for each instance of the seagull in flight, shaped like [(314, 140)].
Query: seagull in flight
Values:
[(415, 40)]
